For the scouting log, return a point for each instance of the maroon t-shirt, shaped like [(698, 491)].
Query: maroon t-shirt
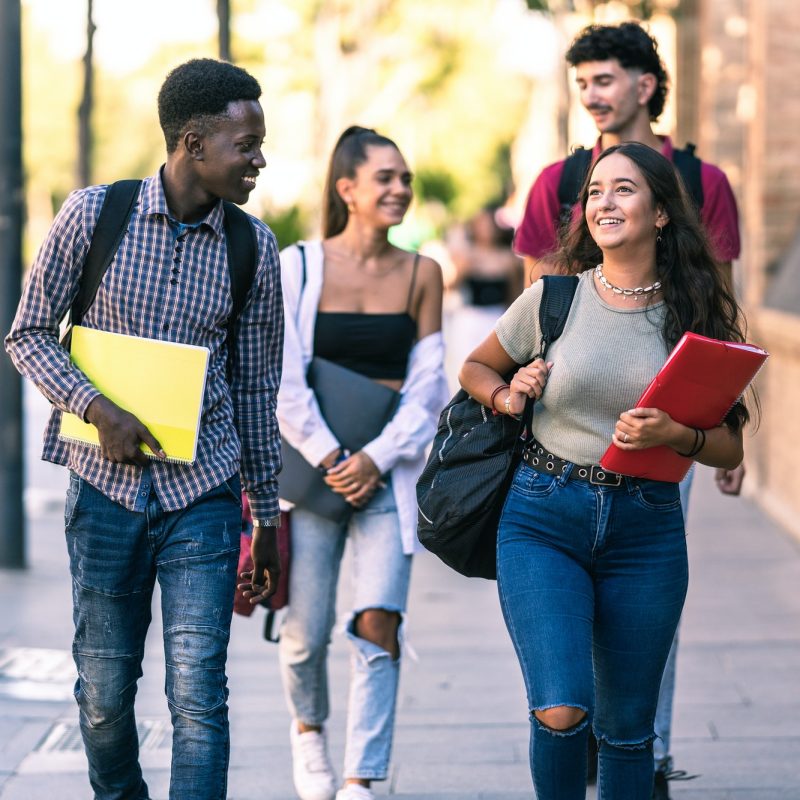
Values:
[(537, 233)]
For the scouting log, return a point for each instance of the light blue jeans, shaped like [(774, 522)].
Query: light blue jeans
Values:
[(663, 721), (381, 573), (115, 557)]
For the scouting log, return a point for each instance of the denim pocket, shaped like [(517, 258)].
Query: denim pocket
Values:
[(532, 483), (71, 502), (234, 488), (657, 495)]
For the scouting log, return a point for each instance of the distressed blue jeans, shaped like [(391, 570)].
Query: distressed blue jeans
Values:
[(116, 556), (592, 581), (381, 573)]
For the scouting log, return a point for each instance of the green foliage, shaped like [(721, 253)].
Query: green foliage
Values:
[(428, 74), (434, 184), (289, 225)]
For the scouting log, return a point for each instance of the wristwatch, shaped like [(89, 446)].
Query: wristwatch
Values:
[(268, 522)]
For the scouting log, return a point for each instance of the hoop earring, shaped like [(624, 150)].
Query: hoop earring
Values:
[(351, 206)]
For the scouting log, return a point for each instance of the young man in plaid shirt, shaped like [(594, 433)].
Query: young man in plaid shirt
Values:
[(131, 520)]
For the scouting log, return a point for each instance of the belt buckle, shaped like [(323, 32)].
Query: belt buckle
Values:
[(600, 477)]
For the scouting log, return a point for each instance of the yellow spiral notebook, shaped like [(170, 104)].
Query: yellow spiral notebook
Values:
[(161, 383)]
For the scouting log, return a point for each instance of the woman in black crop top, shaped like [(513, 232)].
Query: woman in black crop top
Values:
[(376, 303)]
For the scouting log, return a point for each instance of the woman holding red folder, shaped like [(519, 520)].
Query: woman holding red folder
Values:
[(592, 568)]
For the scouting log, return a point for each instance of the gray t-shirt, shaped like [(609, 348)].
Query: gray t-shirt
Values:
[(602, 362)]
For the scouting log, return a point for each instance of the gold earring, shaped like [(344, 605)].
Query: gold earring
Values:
[(351, 206)]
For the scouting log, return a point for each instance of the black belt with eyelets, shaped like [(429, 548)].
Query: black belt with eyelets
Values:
[(537, 457)]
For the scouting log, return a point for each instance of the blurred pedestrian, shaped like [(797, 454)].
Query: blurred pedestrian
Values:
[(488, 277), (358, 301), (131, 520), (592, 568), (623, 84)]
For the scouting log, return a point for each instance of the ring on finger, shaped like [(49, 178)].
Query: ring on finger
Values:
[(625, 438)]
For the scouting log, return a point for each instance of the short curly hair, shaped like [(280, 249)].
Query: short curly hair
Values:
[(199, 91), (631, 45)]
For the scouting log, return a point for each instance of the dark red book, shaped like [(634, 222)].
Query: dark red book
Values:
[(699, 383)]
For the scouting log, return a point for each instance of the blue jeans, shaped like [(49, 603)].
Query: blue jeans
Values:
[(592, 581), (116, 556), (381, 573), (663, 724)]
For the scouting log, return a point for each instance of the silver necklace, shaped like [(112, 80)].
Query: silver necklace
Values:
[(637, 294)]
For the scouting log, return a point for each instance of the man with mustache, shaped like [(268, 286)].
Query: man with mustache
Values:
[(131, 520), (623, 84)]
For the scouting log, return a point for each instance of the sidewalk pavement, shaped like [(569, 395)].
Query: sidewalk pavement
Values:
[(462, 726)]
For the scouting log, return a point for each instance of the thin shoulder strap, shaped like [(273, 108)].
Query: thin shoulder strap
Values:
[(302, 248), (112, 222), (413, 281)]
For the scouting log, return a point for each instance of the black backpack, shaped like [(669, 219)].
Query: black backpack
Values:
[(112, 222), (461, 491), (577, 165)]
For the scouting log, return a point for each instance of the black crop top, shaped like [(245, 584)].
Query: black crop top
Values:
[(374, 345)]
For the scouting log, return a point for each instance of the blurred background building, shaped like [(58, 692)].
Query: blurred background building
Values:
[(477, 96)]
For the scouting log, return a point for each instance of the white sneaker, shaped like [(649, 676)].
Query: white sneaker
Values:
[(354, 791), (311, 765)]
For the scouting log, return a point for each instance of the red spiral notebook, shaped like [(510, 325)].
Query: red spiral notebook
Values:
[(699, 383)]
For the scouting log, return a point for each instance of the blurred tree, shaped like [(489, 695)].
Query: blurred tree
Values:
[(428, 74), (87, 103), (224, 29)]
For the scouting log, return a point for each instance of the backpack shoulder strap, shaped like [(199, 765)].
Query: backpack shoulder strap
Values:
[(108, 232), (242, 250), (557, 295), (576, 166), (688, 165)]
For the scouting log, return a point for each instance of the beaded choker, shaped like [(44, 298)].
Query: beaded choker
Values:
[(637, 294)]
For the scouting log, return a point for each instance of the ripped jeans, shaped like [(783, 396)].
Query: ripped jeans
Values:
[(592, 581), (116, 556), (381, 573)]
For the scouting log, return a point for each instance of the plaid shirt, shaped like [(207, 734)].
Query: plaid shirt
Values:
[(169, 283)]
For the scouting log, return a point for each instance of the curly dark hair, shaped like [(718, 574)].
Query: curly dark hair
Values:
[(349, 152), (631, 45), (695, 292), (198, 92)]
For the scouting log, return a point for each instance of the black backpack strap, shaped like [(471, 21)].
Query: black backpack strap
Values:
[(557, 294), (689, 167), (112, 222), (242, 250), (569, 186)]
